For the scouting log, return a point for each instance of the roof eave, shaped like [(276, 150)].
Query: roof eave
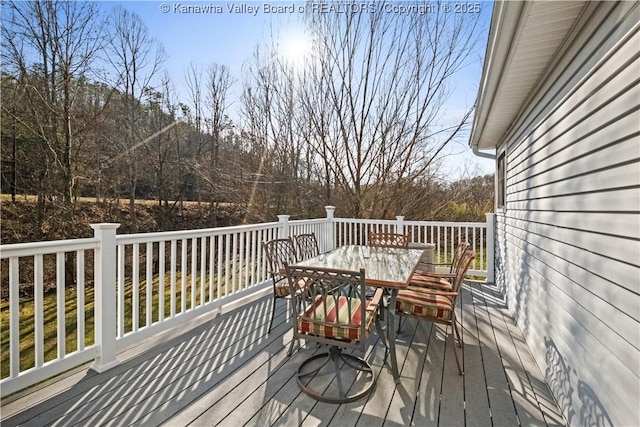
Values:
[(504, 26)]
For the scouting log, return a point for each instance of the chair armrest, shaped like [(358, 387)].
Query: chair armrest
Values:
[(375, 301)]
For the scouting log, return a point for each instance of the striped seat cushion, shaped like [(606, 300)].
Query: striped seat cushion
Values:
[(282, 288), (420, 303), (426, 280), (336, 324)]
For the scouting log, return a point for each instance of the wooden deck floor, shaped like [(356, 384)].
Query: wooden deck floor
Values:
[(226, 371)]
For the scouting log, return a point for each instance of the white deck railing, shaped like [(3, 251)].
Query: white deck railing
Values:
[(129, 287)]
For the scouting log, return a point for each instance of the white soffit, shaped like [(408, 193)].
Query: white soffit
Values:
[(523, 40)]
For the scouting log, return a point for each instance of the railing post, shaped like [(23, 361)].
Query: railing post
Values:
[(330, 229), (284, 225), (400, 225), (105, 296), (491, 250)]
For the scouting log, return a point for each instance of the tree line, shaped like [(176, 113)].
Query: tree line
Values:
[(89, 111)]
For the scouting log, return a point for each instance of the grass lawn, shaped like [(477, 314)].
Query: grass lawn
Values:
[(27, 321)]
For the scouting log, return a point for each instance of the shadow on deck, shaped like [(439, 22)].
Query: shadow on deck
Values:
[(227, 371)]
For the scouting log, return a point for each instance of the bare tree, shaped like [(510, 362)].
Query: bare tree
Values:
[(49, 47), (364, 116), (219, 84), (193, 80), (136, 58), (386, 78), (279, 132), (259, 85), (162, 115)]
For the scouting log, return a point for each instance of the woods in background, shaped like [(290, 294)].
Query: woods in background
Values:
[(88, 111)]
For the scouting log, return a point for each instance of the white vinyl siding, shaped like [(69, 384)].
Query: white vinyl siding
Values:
[(568, 239)]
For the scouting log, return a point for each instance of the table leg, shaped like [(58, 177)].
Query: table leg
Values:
[(391, 334)]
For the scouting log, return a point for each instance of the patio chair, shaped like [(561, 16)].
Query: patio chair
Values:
[(388, 240), (279, 253), (423, 278), (434, 305), (337, 313), (307, 246)]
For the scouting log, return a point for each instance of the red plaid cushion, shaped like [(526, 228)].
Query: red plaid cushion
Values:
[(336, 323), (420, 303)]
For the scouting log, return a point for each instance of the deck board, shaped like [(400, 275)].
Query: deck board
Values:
[(503, 410), (426, 408), (529, 392), (452, 394), (403, 401), (227, 371), (477, 410)]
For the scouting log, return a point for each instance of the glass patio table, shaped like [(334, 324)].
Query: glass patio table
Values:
[(389, 268)]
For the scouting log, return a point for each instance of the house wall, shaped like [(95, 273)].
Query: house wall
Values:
[(568, 238)]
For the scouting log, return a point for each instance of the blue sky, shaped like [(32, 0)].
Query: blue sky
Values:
[(228, 32), (227, 38)]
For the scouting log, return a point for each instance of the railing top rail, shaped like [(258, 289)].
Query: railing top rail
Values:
[(367, 221), (188, 234), (51, 247), (412, 222), (446, 224), (309, 221)]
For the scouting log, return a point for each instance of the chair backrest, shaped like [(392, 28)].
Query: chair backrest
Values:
[(279, 252), (307, 246), (461, 248), (461, 269), (388, 240), (333, 310)]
